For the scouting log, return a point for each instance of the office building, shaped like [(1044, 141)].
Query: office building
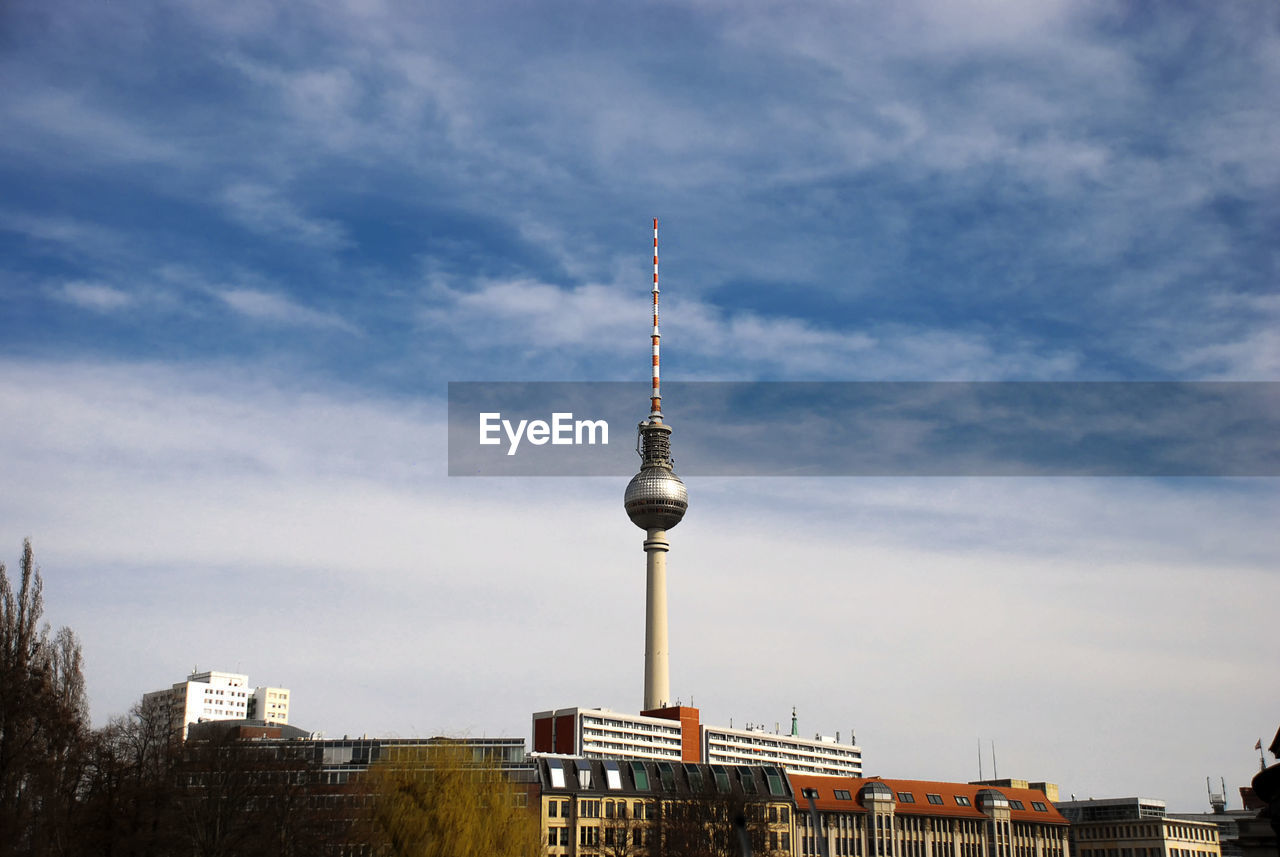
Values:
[(213, 695), (1136, 827), (877, 817)]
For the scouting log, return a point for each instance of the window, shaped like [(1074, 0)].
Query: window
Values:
[(564, 836), (551, 809), (936, 800), (557, 773), (640, 775), (843, 794), (1016, 804), (694, 773), (748, 781), (553, 836), (612, 776), (1038, 806), (721, 778), (906, 797), (775, 781), (784, 815), (962, 800), (666, 776)]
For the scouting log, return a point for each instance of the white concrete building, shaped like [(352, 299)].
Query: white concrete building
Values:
[(213, 695), (756, 746), (270, 705), (598, 733)]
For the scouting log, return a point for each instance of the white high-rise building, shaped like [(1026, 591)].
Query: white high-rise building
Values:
[(213, 695), (757, 746)]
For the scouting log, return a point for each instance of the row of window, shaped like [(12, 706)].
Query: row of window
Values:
[(1157, 830)]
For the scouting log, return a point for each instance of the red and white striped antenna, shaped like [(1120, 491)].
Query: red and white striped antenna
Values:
[(655, 401)]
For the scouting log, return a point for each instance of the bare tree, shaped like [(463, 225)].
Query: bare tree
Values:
[(43, 721)]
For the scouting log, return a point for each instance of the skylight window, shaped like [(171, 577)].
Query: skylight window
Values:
[(1016, 804), (666, 776), (962, 800), (722, 778), (1038, 806), (640, 775), (694, 773), (906, 797), (936, 800), (612, 776), (747, 780), (557, 773), (843, 794), (775, 782)]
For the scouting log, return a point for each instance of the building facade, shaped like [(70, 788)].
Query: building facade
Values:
[(1136, 827), (599, 733), (214, 695), (676, 733), (796, 755), (645, 808), (854, 817)]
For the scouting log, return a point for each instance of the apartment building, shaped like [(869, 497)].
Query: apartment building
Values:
[(215, 695), (676, 733)]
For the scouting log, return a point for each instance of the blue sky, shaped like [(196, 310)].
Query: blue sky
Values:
[(244, 246)]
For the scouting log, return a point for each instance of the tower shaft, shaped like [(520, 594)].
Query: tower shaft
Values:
[(657, 669)]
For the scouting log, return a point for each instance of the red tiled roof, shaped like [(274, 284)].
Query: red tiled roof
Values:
[(826, 801)]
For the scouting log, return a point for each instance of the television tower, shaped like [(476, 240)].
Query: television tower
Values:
[(655, 501)]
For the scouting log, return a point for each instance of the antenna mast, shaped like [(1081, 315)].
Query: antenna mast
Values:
[(655, 401)]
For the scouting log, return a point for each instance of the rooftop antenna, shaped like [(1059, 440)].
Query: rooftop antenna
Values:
[(979, 758), (995, 769), (1217, 802)]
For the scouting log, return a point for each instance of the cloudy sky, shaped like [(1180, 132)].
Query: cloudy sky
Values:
[(245, 245)]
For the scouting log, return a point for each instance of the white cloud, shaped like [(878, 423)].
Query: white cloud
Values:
[(300, 535), (44, 121), (93, 296), (595, 318), (264, 210), (278, 309)]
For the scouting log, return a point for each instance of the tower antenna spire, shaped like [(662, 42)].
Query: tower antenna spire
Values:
[(655, 400)]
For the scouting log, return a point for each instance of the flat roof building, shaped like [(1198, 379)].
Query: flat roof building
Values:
[(1136, 827), (215, 695), (676, 733)]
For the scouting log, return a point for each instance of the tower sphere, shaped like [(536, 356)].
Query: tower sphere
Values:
[(656, 499)]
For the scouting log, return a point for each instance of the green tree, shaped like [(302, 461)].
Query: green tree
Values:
[(439, 802), (43, 721)]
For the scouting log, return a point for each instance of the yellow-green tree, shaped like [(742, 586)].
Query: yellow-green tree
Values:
[(438, 801)]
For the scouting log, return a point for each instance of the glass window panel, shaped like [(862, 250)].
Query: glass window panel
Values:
[(722, 779)]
